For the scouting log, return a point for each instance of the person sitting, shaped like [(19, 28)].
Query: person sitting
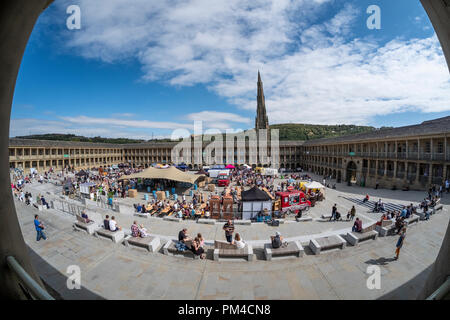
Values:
[(113, 225), (380, 222), (207, 214), (85, 216), (200, 238), (197, 249), (380, 205), (238, 242), (183, 240), (277, 240), (376, 207), (106, 222), (135, 229), (183, 236), (366, 198), (337, 216), (143, 231), (357, 226), (139, 208), (44, 203)]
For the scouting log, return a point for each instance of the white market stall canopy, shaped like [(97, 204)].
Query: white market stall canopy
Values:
[(314, 185), (84, 187), (170, 173)]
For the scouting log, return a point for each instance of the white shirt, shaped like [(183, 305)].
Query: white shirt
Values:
[(112, 225), (239, 244)]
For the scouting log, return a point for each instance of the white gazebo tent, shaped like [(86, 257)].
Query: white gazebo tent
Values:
[(315, 185)]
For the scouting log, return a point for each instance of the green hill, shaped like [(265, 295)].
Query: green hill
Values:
[(72, 137), (298, 131), (288, 131)]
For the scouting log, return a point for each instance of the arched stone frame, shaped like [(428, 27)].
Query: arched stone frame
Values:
[(17, 19)]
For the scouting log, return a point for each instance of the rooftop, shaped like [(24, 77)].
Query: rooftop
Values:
[(430, 127)]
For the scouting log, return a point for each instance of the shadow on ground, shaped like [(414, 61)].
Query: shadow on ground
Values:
[(55, 281)]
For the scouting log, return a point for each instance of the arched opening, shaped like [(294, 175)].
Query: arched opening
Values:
[(350, 176)]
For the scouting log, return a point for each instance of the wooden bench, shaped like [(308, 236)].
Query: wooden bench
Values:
[(292, 248), (354, 238), (227, 250), (150, 243), (387, 227), (170, 249), (89, 227), (115, 236), (318, 245), (412, 219)]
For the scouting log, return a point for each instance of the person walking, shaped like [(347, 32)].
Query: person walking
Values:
[(351, 214), (333, 212), (400, 242), (39, 229)]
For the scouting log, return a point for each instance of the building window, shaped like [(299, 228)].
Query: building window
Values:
[(440, 147)]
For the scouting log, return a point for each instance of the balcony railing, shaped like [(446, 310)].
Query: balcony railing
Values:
[(400, 174), (437, 180), (30, 286)]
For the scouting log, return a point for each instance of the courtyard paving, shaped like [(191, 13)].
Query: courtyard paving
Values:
[(115, 272)]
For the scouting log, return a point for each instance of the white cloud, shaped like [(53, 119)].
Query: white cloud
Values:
[(313, 73), (117, 127)]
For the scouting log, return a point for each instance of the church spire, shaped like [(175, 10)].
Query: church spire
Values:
[(261, 120)]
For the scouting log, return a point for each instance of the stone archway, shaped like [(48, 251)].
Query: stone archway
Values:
[(350, 172)]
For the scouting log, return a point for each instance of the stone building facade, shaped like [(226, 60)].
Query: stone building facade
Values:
[(415, 156)]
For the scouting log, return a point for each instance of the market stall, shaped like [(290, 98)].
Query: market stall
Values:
[(253, 202)]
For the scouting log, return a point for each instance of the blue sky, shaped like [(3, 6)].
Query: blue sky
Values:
[(145, 68)]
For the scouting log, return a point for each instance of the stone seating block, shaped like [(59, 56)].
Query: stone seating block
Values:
[(304, 219), (169, 249), (384, 231), (89, 227), (150, 243), (174, 219), (242, 222), (115, 236), (206, 221), (227, 250), (317, 245), (421, 215), (293, 248), (354, 238), (142, 215), (412, 219)]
